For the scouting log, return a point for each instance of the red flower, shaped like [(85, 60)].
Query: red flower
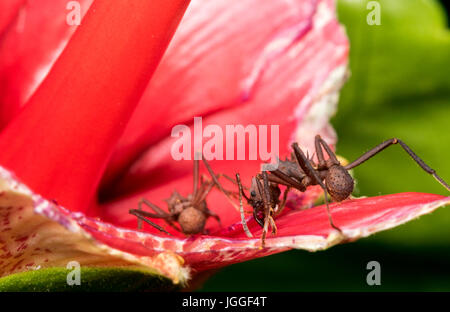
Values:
[(92, 136)]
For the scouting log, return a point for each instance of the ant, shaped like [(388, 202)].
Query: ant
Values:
[(265, 201), (334, 179), (190, 212)]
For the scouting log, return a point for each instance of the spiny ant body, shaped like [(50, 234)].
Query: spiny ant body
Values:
[(301, 172), (190, 212)]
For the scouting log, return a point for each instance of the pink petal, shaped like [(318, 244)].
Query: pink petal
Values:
[(300, 229), (318, 59), (244, 66)]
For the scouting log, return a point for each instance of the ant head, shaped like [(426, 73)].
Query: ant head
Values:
[(192, 221), (275, 190), (339, 183), (254, 191)]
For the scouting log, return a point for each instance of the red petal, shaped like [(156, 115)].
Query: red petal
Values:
[(8, 11), (301, 229), (36, 35), (232, 64), (78, 113)]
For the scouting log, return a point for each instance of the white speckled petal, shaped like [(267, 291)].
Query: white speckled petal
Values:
[(36, 233)]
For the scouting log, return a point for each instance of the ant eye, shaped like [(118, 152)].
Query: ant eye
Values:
[(253, 193)]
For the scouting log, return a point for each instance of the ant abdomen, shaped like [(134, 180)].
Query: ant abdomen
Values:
[(339, 183), (192, 221)]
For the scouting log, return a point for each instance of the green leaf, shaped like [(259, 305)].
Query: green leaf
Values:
[(400, 87), (91, 279)]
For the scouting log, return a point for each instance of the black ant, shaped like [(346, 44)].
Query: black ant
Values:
[(189, 212), (301, 172)]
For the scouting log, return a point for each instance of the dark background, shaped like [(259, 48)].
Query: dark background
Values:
[(400, 86), (446, 5)]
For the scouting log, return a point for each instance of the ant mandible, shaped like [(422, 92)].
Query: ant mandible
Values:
[(189, 212)]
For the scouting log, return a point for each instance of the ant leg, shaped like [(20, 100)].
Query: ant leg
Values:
[(201, 197), (158, 211), (241, 206), (309, 170), (139, 225), (305, 165), (273, 226), (390, 142), (266, 199), (330, 219), (216, 178), (233, 181), (214, 215), (141, 217), (152, 206), (322, 164), (319, 143), (231, 193), (202, 193), (288, 181), (260, 187), (277, 180), (283, 202), (194, 193), (219, 186), (212, 174)]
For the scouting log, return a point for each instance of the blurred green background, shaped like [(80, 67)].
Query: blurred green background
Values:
[(400, 87)]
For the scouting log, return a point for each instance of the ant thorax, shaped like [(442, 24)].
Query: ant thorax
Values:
[(290, 168), (276, 192), (177, 203)]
